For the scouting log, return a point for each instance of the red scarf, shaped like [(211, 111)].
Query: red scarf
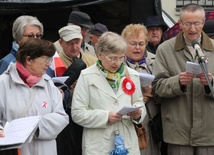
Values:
[(26, 76)]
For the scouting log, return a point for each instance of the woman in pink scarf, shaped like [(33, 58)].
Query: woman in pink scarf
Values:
[(26, 80)]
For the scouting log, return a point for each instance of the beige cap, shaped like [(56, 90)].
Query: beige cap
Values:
[(70, 32)]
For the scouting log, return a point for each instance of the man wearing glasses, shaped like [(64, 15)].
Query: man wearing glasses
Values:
[(24, 27), (155, 27), (187, 105)]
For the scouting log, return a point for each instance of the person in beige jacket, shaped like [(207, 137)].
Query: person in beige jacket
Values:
[(187, 102), (83, 20), (70, 42)]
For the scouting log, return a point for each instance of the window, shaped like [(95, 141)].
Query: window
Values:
[(207, 4)]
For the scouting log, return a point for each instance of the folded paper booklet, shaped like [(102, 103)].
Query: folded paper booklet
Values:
[(193, 68), (60, 79), (18, 132), (127, 109), (146, 79)]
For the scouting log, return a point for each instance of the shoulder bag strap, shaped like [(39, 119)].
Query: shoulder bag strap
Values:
[(24, 112), (149, 114)]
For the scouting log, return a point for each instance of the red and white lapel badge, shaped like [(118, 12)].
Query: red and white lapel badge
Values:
[(128, 86), (44, 104)]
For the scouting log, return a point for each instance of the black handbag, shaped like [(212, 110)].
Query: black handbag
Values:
[(74, 70), (155, 125)]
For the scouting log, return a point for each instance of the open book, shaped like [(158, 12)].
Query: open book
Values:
[(18, 132)]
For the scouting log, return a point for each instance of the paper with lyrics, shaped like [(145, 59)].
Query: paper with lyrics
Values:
[(19, 131), (146, 79), (127, 109)]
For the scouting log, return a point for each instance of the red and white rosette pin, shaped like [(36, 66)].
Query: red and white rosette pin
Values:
[(128, 86)]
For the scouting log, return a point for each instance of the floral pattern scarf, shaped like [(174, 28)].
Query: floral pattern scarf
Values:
[(112, 78)]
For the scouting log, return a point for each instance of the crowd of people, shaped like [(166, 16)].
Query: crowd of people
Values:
[(111, 80)]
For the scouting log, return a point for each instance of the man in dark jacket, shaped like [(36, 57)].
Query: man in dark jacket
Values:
[(155, 27)]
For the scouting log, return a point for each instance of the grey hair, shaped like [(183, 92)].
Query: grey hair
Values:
[(110, 42), (21, 22), (192, 7)]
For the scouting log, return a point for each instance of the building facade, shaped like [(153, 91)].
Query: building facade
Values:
[(173, 7)]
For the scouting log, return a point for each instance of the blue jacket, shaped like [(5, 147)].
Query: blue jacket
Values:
[(11, 57)]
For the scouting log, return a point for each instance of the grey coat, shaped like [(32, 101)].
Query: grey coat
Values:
[(15, 95)]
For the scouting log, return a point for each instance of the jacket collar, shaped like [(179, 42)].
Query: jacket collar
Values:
[(15, 76), (206, 43), (15, 47), (102, 84)]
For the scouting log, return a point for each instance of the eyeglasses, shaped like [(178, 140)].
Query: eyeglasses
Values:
[(45, 60), (195, 24), (33, 35), (115, 59), (134, 44)]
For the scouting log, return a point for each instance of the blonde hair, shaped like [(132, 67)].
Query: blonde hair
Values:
[(134, 29)]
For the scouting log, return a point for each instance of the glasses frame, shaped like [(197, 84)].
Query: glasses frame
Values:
[(190, 24), (46, 61), (113, 60), (135, 44), (33, 35)]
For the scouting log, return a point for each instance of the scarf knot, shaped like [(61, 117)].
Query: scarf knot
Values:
[(112, 78), (141, 61), (26, 76)]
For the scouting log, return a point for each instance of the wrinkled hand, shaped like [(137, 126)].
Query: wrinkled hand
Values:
[(1, 133), (147, 93), (203, 79), (135, 114), (113, 117), (73, 86), (185, 78)]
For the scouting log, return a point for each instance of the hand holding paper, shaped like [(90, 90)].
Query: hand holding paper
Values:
[(1, 133), (127, 109), (193, 68)]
